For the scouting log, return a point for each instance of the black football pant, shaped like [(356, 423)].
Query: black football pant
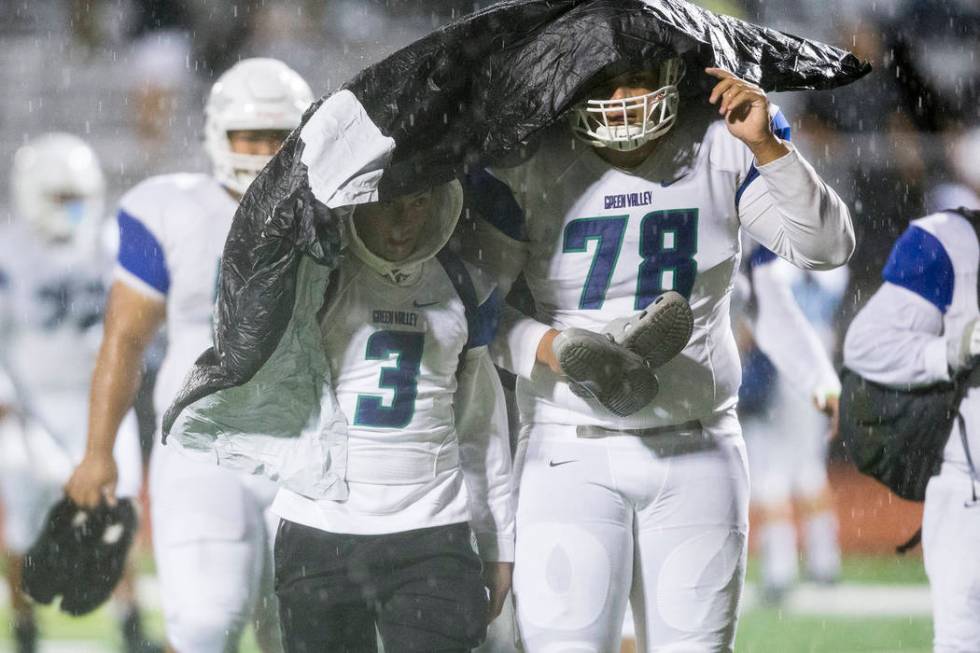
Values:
[(423, 590)]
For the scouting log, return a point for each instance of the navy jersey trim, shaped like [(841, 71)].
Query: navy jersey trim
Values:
[(493, 201), (780, 127), (919, 263), (487, 320), (141, 254), (761, 256)]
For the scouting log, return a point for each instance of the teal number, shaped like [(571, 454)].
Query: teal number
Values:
[(608, 232), (668, 244), (403, 378)]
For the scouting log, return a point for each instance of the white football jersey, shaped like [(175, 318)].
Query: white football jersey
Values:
[(601, 243), (929, 296), (172, 234), (52, 298), (394, 351)]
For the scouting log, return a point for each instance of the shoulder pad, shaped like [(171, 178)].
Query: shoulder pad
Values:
[(149, 199)]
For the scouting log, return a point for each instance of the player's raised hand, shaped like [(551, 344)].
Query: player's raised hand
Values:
[(497, 576), (746, 110), (93, 481)]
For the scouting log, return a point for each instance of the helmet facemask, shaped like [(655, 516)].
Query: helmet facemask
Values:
[(239, 170), (629, 123), (60, 216)]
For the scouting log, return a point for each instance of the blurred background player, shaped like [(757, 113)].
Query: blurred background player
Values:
[(53, 269), (963, 188), (788, 404), (212, 531), (920, 328)]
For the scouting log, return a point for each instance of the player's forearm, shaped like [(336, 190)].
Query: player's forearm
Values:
[(798, 216), (485, 246), (519, 339), (115, 383)]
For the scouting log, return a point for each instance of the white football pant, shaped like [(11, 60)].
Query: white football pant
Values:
[(787, 449), (660, 521), (951, 547), (212, 539)]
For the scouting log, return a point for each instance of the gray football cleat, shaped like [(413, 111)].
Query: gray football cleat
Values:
[(600, 369), (659, 332)]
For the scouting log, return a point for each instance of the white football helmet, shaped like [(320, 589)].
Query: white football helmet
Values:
[(58, 186), (254, 94), (630, 123)]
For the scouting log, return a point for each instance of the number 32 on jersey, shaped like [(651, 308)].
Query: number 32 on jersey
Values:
[(667, 245)]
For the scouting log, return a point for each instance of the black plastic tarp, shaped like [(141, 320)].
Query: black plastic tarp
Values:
[(467, 95)]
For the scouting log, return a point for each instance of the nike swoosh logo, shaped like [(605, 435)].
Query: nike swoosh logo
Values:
[(417, 305), (552, 463)]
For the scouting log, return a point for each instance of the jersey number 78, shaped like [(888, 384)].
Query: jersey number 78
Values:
[(668, 243)]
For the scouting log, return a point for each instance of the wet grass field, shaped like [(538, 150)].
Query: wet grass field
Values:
[(881, 605)]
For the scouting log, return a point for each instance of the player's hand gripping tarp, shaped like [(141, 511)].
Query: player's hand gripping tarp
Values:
[(467, 95)]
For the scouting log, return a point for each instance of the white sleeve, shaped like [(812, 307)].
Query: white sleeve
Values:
[(484, 451), (785, 335), (515, 346), (488, 248), (8, 395), (896, 339), (795, 214)]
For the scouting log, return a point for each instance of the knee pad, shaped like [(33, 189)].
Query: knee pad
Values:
[(208, 591), (563, 573), (701, 580)]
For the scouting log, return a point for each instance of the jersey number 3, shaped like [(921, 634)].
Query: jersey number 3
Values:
[(403, 379), (668, 243)]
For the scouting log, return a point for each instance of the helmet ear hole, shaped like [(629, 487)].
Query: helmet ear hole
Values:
[(256, 94)]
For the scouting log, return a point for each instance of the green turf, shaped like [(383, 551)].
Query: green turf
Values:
[(871, 570), (99, 626), (889, 570), (770, 631), (760, 630)]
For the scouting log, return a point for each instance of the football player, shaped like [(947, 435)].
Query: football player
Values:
[(405, 330), (643, 195), (53, 269), (922, 327), (211, 527), (786, 434)]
